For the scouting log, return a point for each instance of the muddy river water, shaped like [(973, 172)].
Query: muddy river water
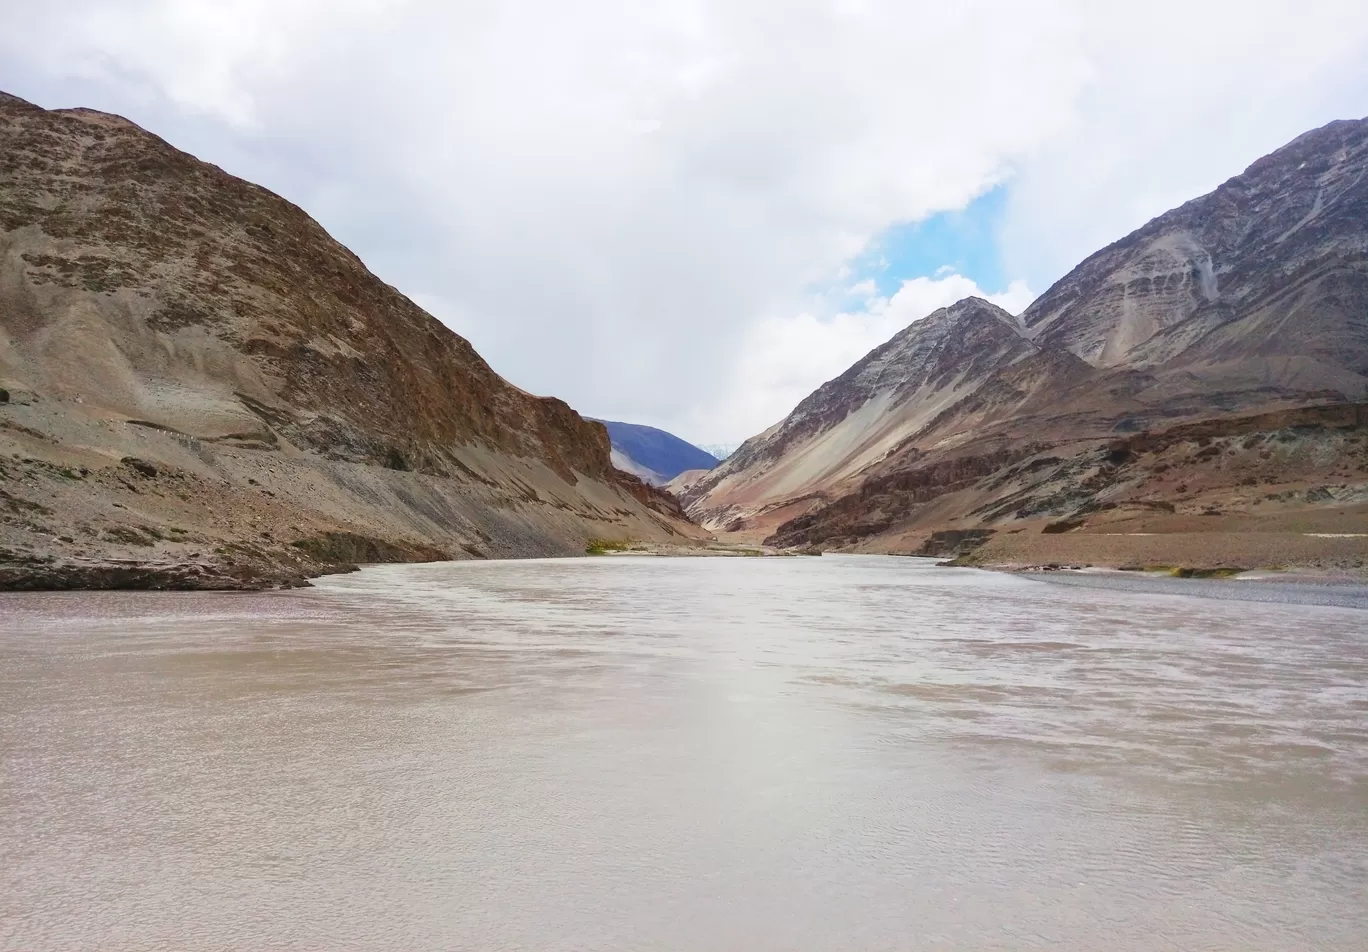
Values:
[(697, 754)]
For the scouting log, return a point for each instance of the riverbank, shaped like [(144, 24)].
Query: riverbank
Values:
[(712, 548), (257, 568), (93, 503), (1319, 549), (1335, 591)]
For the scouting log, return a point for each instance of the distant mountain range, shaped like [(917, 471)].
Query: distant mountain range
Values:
[(654, 455), (1158, 389)]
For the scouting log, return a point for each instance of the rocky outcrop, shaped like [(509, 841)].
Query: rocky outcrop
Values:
[(29, 574), (203, 337), (1245, 304), (884, 502)]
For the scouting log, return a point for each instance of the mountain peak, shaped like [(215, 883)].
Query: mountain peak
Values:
[(158, 309), (1250, 299), (1187, 273), (861, 416)]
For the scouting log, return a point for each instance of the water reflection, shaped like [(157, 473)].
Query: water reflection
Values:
[(834, 753)]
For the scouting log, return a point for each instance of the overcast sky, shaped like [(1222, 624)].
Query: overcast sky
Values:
[(691, 213)]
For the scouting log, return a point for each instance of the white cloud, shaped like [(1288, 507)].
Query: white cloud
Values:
[(863, 289), (609, 199), (1183, 96)]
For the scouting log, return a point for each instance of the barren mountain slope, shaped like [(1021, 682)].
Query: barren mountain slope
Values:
[(854, 421), (153, 306), (1239, 304), (1256, 291)]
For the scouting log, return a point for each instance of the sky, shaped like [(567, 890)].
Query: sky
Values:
[(690, 214)]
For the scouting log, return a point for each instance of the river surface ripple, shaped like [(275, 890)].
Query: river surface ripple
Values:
[(696, 754)]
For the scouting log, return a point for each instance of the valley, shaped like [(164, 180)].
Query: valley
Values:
[(199, 388), (1193, 394)]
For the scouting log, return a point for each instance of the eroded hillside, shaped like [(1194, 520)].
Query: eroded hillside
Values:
[(971, 423), (198, 384)]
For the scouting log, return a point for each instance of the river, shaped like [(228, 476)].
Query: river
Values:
[(697, 754)]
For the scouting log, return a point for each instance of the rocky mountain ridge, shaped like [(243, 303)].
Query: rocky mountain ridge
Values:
[(155, 308), (1248, 300), (854, 421), (1218, 276)]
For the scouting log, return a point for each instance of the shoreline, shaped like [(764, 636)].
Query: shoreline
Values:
[(210, 575), (1254, 586), (135, 575)]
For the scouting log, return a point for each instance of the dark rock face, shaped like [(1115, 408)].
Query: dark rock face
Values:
[(344, 548), (140, 466), (23, 574), (883, 502), (1062, 525), (1252, 298)]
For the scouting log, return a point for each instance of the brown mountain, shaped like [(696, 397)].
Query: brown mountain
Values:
[(852, 423), (199, 387), (1255, 292), (1240, 306)]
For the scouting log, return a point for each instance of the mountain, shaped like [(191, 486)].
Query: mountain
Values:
[(856, 420), (653, 455), (684, 481), (719, 451), (1256, 291), (199, 387), (1235, 311)]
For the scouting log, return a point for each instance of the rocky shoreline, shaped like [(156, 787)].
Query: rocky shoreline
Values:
[(264, 571), (76, 574)]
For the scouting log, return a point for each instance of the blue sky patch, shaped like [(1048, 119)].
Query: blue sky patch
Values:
[(963, 241)]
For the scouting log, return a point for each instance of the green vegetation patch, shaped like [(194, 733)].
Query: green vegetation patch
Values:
[(1184, 571), (1224, 572), (604, 546), (15, 504)]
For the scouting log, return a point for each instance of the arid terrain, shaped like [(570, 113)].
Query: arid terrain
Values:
[(1195, 394), (199, 388)]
